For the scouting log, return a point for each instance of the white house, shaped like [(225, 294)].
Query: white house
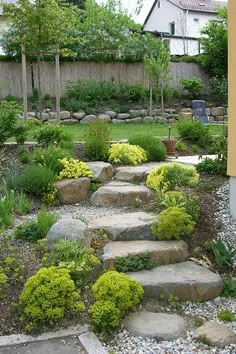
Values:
[(179, 22), (3, 21)]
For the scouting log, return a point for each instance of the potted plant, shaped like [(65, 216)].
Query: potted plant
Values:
[(170, 143)]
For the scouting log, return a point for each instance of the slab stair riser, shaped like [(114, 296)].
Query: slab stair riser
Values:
[(186, 280), (162, 252)]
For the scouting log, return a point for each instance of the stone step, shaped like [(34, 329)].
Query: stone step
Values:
[(124, 227), (162, 326), (136, 174), (186, 280), (120, 194), (162, 252)]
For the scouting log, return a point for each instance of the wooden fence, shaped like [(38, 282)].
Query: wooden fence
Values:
[(11, 75)]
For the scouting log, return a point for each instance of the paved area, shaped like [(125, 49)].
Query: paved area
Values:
[(54, 346)]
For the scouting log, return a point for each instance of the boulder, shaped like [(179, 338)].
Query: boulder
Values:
[(45, 116), (217, 111), (186, 280), (162, 252), (88, 119), (148, 119), (112, 114), (64, 115), (104, 117), (186, 115), (73, 190), (208, 111), (69, 229), (170, 111), (118, 121), (216, 334), (132, 173), (134, 113), (123, 116), (134, 120), (31, 114), (120, 194), (102, 171), (161, 326), (130, 226), (53, 115), (70, 121), (143, 112), (79, 115)]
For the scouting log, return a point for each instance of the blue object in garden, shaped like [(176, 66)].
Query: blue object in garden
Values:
[(199, 111)]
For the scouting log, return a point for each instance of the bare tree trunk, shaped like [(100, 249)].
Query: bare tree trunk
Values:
[(57, 60), (39, 84), (24, 81), (151, 99), (162, 101)]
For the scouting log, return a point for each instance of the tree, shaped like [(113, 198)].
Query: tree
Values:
[(158, 69), (214, 43), (40, 25), (79, 3)]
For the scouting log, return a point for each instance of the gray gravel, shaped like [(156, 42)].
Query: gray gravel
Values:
[(125, 343)]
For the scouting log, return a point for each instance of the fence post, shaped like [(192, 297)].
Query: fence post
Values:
[(58, 93), (24, 81)]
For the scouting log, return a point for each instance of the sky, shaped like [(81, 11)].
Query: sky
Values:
[(147, 4)]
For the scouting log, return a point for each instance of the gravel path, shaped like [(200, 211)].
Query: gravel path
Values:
[(125, 343)]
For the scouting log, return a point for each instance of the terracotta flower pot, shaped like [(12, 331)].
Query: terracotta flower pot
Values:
[(170, 146)]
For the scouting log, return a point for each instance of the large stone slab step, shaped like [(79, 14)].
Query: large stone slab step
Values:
[(120, 194), (186, 280), (161, 326), (124, 227), (162, 252)]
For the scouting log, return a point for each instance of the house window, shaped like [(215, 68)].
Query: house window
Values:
[(159, 4), (196, 21), (172, 28)]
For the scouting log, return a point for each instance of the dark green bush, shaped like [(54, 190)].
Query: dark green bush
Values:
[(209, 166), (97, 141), (36, 229), (194, 131), (36, 180), (8, 119), (133, 263), (194, 86), (50, 134), (173, 224), (229, 287), (49, 157), (21, 132), (155, 149)]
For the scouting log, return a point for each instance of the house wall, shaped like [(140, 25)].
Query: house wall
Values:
[(194, 30), (232, 106)]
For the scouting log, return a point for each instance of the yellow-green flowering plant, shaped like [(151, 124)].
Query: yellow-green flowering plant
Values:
[(126, 154), (74, 169), (169, 176)]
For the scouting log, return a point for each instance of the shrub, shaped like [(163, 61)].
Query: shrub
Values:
[(8, 119), (74, 169), (124, 292), (181, 146), (22, 204), (24, 155), (7, 202), (155, 149), (3, 282), (126, 154), (12, 175), (97, 141), (226, 315), (36, 229), (229, 287), (196, 149), (82, 264), (194, 131), (169, 176), (224, 254), (132, 263), (216, 166), (21, 132), (105, 315), (173, 224), (181, 200), (49, 134), (36, 180), (47, 296), (50, 157), (194, 86)]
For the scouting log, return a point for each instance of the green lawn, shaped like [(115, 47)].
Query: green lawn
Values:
[(124, 131)]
